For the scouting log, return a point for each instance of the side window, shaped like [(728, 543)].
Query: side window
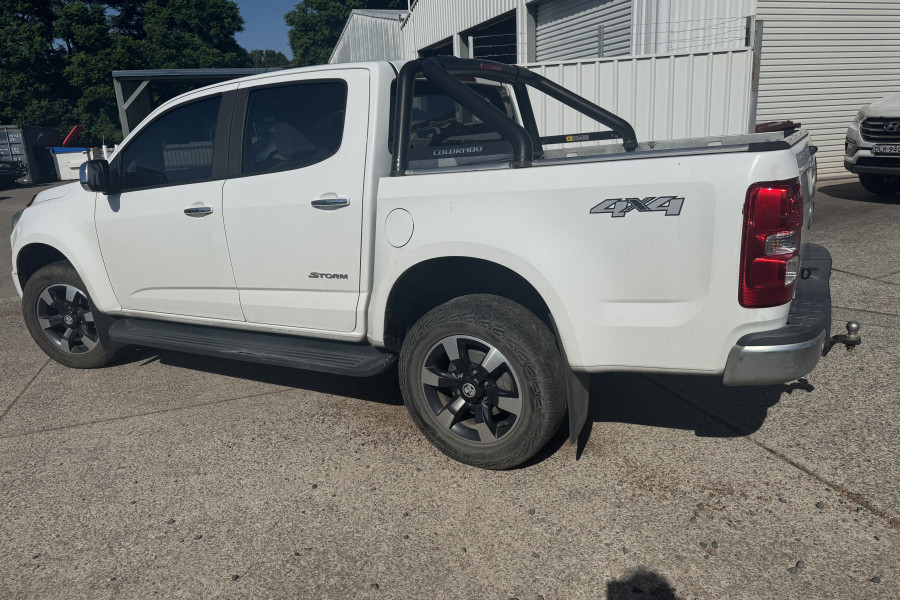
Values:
[(176, 148), (442, 129), (293, 126)]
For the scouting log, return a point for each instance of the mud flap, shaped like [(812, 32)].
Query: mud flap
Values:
[(578, 391)]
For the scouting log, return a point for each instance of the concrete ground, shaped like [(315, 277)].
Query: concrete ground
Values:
[(175, 476)]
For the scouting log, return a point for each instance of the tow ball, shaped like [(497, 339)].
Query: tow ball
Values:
[(851, 339)]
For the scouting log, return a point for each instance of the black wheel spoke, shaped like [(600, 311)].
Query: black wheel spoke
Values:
[(50, 321), (439, 378), (453, 413), (511, 403), (484, 424), (454, 349)]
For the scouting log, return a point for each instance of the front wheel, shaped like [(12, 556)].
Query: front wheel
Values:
[(59, 316), (482, 378), (880, 185)]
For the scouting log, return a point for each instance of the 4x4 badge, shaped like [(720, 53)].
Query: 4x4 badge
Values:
[(619, 207)]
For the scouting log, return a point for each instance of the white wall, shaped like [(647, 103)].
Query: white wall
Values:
[(663, 97), (690, 26), (824, 59)]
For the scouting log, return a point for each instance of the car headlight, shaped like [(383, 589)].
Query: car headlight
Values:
[(860, 116)]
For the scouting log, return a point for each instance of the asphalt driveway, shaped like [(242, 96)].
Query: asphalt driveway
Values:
[(183, 477)]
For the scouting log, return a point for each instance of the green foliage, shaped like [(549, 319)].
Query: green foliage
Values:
[(316, 25), (268, 58), (57, 56)]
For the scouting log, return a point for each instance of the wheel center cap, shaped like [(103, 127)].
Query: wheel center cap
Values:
[(69, 320), (469, 390)]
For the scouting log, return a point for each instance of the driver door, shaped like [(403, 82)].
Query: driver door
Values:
[(163, 237)]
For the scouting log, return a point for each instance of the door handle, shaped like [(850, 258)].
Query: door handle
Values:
[(197, 211), (330, 203)]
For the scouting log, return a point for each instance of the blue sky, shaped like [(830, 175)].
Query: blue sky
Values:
[(264, 26)]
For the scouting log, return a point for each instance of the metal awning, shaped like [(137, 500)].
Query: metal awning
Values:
[(134, 94)]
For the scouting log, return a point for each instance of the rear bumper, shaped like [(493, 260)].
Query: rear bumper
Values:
[(792, 351)]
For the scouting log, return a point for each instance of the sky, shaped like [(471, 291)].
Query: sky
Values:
[(264, 27)]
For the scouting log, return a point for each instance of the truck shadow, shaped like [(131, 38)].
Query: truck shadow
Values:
[(693, 403), (854, 191), (381, 388)]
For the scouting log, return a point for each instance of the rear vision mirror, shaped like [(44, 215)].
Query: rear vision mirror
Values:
[(94, 176)]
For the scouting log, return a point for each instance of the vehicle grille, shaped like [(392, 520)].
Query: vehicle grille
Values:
[(873, 130), (879, 161)]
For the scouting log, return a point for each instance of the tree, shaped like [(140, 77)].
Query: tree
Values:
[(316, 25), (268, 58), (57, 56)]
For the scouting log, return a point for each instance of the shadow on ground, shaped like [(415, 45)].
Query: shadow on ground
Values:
[(854, 191), (641, 584), (383, 388), (699, 404)]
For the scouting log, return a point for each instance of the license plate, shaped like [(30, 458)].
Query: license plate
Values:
[(886, 149)]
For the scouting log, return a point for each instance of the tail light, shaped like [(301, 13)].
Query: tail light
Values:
[(770, 253)]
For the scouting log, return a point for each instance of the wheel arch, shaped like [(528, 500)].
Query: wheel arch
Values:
[(432, 282), (33, 257)]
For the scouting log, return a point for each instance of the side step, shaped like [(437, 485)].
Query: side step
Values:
[(342, 358)]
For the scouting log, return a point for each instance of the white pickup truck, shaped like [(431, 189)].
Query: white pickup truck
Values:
[(342, 218)]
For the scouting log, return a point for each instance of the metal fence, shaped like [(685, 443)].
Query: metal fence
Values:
[(663, 96)]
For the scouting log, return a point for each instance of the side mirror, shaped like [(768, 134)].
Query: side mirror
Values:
[(94, 176)]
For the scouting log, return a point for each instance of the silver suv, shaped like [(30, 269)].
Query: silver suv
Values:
[(872, 150)]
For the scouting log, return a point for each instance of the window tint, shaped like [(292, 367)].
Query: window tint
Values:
[(292, 126), (175, 148), (440, 124)]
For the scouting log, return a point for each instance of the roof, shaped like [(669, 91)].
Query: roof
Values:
[(393, 15)]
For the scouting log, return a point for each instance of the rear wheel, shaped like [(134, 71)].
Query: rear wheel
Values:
[(482, 378), (60, 318), (880, 185)]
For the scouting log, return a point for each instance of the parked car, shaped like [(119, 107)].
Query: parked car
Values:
[(872, 149), (10, 170), (342, 218)]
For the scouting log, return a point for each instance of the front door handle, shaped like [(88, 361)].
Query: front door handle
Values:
[(330, 203), (197, 211)]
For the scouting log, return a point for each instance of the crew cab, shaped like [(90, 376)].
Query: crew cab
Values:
[(872, 149), (344, 218)]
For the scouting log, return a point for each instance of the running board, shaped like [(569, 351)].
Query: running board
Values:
[(342, 358)]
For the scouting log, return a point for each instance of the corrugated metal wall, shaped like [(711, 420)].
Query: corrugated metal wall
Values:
[(571, 29), (433, 21), (824, 59), (692, 25), (367, 37), (663, 97)]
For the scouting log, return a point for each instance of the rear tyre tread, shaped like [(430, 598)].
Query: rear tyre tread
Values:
[(522, 337)]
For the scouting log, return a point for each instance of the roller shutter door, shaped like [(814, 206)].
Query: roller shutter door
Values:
[(570, 29), (824, 59)]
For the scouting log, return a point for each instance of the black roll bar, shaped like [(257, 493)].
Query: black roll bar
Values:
[(443, 71)]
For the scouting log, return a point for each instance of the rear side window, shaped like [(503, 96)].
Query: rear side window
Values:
[(293, 126), (442, 129), (176, 148)]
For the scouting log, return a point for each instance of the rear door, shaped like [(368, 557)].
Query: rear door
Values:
[(293, 207)]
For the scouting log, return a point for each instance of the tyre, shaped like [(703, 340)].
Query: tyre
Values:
[(59, 316), (483, 379), (880, 185)]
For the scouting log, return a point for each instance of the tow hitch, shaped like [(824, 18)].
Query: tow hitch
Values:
[(851, 339)]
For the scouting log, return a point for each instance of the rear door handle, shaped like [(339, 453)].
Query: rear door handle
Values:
[(330, 203), (197, 211)]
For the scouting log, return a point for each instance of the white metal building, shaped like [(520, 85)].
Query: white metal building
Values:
[(672, 67)]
